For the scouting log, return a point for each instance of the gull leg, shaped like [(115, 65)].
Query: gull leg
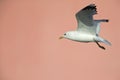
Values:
[(100, 45)]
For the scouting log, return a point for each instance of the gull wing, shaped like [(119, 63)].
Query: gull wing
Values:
[(85, 19)]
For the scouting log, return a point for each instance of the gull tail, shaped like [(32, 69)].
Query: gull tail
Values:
[(99, 39)]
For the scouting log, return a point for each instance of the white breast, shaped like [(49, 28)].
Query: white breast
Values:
[(81, 36)]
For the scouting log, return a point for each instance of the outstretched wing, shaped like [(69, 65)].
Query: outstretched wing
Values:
[(85, 18)]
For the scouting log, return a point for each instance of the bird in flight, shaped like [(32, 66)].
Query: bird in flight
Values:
[(88, 29)]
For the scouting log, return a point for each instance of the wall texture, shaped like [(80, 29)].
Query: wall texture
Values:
[(30, 48)]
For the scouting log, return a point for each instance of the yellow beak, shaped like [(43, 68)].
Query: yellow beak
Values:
[(61, 37)]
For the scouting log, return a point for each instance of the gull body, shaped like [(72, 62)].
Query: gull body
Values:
[(79, 36), (88, 29)]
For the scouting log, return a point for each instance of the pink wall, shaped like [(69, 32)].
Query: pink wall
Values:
[(30, 48)]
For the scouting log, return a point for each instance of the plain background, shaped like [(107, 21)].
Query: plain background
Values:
[(30, 48)]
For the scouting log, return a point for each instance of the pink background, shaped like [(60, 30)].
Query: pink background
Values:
[(30, 48)]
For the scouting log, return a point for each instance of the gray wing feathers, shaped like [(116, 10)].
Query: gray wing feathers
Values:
[(85, 15), (86, 22), (97, 24)]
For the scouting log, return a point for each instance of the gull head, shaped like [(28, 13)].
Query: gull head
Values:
[(68, 35)]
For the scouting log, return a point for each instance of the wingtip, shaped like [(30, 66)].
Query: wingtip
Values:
[(107, 20), (90, 6)]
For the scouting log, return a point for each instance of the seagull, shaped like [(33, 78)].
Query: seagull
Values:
[(88, 29)]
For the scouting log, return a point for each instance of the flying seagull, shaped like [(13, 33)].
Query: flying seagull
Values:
[(88, 29)]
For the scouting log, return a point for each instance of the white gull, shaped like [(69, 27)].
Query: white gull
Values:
[(88, 29)]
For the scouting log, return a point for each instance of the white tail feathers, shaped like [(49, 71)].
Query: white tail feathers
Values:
[(99, 39)]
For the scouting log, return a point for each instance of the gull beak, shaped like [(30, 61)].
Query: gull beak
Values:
[(61, 37)]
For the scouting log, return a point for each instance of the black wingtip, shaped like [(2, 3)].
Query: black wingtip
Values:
[(107, 20), (91, 6)]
